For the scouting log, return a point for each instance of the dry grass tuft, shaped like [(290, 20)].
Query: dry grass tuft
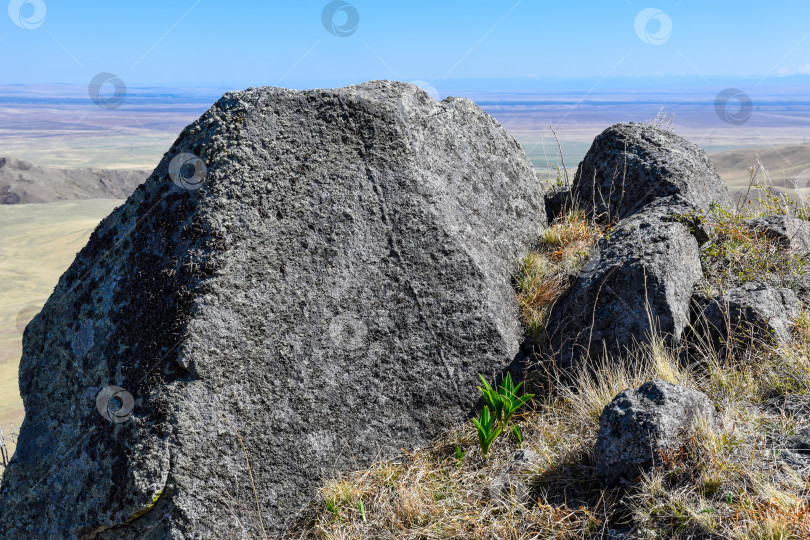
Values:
[(725, 482), (546, 272), (737, 254)]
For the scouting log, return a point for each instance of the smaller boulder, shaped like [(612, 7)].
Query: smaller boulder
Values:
[(638, 426), (796, 451), (800, 443), (637, 284), (631, 165), (790, 232), (768, 311)]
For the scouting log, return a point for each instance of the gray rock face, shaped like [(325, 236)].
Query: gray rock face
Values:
[(330, 293), (630, 165), (638, 425), (640, 276), (767, 311), (790, 232)]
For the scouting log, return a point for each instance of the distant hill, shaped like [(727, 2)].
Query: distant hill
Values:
[(788, 166), (23, 182)]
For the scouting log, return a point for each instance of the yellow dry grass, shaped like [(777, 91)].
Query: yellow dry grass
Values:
[(546, 272), (725, 482)]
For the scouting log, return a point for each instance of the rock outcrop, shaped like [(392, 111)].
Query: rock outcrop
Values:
[(638, 282), (558, 200), (639, 426), (648, 183), (329, 291), (753, 309), (631, 165), (789, 232)]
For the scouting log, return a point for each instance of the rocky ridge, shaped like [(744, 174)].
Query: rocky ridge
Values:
[(22, 182)]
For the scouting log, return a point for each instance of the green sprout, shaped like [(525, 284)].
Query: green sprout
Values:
[(459, 456), (504, 400), (518, 435), (486, 434)]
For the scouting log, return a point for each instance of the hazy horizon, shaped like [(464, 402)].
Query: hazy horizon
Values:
[(111, 85), (60, 126)]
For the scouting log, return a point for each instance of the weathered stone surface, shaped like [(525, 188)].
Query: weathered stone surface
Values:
[(639, 425), (332, 290), (790, 232), (640, 275), (800, 442), (630, 165), (753, 308)]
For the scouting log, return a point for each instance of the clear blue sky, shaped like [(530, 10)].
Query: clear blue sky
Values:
[(236, 44)]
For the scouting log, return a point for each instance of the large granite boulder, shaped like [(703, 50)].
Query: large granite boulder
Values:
[(630, 165), (329, 290), (638, 283), (639, 427)]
